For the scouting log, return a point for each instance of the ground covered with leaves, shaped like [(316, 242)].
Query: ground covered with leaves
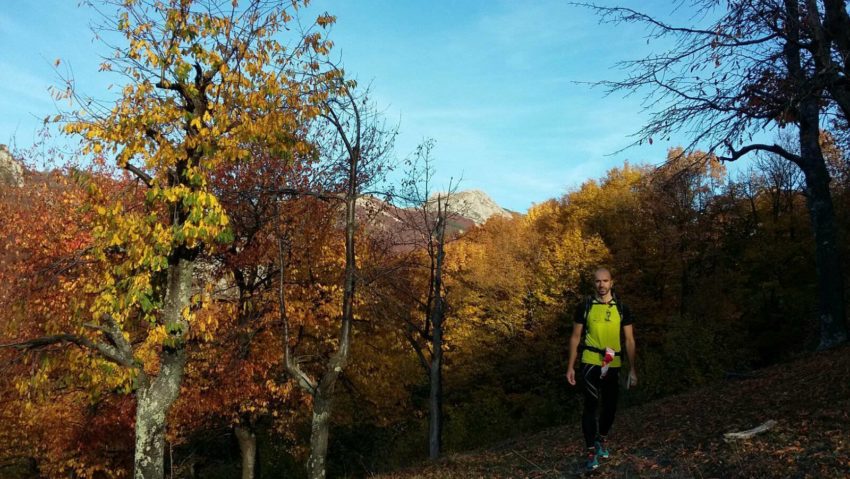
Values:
[(683, 436)]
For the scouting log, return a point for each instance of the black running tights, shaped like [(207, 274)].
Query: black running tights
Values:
[(598, 390)]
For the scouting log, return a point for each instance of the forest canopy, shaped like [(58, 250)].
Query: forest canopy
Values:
[(230, 280)]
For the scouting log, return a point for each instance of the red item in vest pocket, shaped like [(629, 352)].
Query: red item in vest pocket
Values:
[(607, 358)]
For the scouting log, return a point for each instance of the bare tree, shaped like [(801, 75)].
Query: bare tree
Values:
[(424, 222), (352, 136), (759, 65)]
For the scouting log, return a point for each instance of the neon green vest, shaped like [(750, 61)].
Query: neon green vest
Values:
[(603, 331)]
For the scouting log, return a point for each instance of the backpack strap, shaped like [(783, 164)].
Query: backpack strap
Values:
[(619, 309), (588, 303)]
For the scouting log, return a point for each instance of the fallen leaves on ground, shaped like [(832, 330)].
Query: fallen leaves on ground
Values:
[(682, 436)]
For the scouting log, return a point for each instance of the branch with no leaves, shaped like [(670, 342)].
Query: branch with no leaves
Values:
[(418, 348), (180, 89), (776, 149), (146, 178), (322, 195), (115, 335), (617, 15)]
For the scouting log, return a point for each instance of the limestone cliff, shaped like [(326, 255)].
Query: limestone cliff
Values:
[(473, 204), (11, 171)]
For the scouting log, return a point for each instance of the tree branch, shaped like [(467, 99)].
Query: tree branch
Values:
[(423, 361), (628, 15), (146, 178), (181, 89), (322, 195), (110, 353), (290, 364), (776, 149)]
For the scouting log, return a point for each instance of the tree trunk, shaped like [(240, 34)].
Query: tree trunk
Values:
[(248, 450), (319, 434), (156, 395), (435, 402), (152, 404), (322, 391), (830, 280), (435, 427)]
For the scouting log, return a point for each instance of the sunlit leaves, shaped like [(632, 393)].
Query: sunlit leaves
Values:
[(207, 88)]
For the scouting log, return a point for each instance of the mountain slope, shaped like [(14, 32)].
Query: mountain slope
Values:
[(475, 205), (682, 436), (11, 171), (404, 226)]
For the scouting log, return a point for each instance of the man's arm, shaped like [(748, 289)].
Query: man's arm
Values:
[(629, 333), (578, 328)]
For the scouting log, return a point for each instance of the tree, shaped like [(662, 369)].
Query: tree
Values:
[(354, 142), (235, 382), (426, 220), (203, 82), (759, 64)]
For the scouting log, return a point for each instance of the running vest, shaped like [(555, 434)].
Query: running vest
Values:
[(603, 328)]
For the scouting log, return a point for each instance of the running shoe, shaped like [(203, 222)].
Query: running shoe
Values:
[(592, 461), (601, 449)]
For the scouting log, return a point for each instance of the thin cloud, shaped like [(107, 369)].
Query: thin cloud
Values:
[(22, 87)]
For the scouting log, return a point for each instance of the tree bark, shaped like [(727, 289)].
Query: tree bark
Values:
[(435, 427), (247, 449), (830, 280), (435, 401), (152, 404), (322, 389), (156, 395), (323, 393), (837, 28), (319, 435)]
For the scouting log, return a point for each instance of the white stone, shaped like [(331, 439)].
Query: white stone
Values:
[(11, 171), (473, 204)]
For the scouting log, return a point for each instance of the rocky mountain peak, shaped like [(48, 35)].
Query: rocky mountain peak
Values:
[(473, 204), (11, 171)]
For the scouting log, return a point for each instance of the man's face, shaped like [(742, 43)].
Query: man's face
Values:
[(603, 281)]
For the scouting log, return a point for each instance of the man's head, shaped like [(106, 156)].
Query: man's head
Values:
[(603, 282)]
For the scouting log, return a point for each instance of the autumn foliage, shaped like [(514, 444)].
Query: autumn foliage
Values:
[(680, 236), (193, 294)]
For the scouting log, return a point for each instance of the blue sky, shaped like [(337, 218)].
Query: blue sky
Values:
[(493, 82)]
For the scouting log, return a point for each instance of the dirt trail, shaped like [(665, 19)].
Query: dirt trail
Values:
[(682, 436)]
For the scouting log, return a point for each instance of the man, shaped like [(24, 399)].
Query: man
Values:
[(601, 325)]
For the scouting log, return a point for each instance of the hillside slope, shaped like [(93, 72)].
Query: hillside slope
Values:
[(474, 205), (682, 436)]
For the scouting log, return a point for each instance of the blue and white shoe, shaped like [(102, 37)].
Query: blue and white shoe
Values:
[(601, 449)]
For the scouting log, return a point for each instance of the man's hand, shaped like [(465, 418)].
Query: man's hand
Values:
[(633, 379), (571, 376)]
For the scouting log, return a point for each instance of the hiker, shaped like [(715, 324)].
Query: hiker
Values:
[(603, 325)]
